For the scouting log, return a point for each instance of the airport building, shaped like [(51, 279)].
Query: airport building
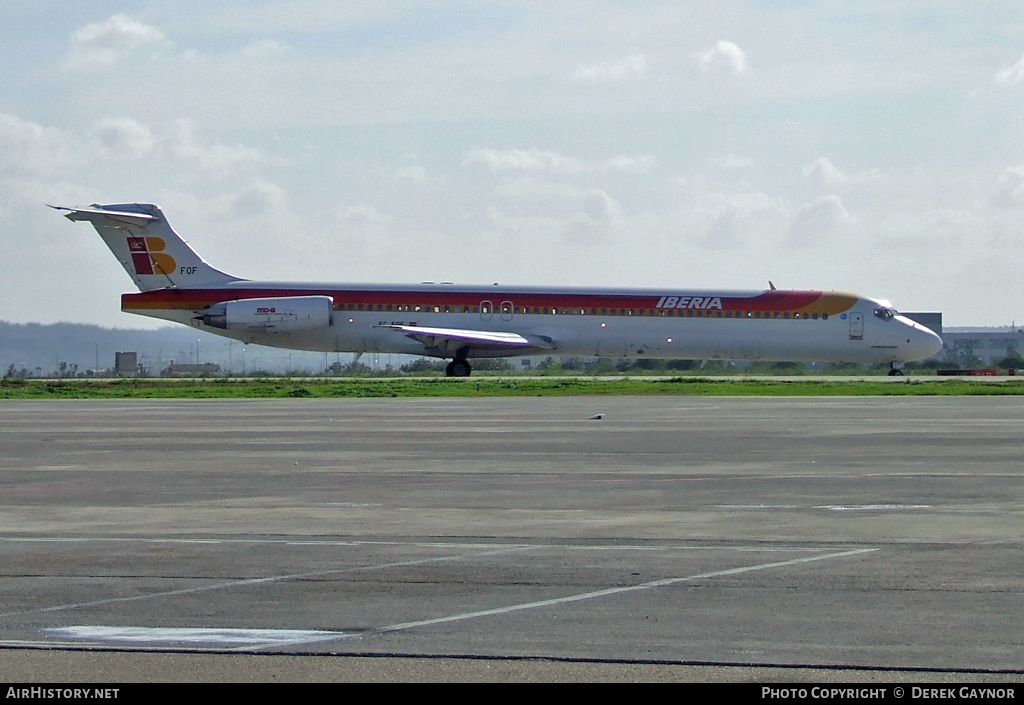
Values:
[(980, 347), (126, 364), (929, 319)]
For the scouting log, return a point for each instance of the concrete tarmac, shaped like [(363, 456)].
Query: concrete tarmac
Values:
[(750, 539)]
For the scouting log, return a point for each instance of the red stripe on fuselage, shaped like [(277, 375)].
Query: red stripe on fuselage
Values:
[(195, 299)]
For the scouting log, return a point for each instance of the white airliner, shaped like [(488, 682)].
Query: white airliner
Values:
[(462, 322)]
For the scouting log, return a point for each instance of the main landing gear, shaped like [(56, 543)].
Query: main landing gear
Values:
[(459, 367), (896, 369)]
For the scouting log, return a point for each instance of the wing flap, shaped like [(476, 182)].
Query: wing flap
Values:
[(450, 339)]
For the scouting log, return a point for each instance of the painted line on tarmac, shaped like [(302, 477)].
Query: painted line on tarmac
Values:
[(758, 548), (198, 635), (229, 584), (871, 507), (619, 590), (256, 639), (282, 542)]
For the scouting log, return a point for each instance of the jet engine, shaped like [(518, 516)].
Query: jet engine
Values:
[(276, 315)]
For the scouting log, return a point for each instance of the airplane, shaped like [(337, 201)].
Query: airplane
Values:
[(463, 322)]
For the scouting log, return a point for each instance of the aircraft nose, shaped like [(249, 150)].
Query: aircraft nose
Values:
[(922, 343), (934, 343)]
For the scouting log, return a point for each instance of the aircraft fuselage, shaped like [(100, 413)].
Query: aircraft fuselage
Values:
[(459, 322), (745, 325)]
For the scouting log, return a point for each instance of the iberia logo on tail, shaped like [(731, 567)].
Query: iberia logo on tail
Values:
[(149, 257)]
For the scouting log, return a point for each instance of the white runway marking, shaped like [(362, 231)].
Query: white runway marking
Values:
[(755, 506), (759, 548), (257, 581), (259, 639), (191, 635), (248, 639), (261, 542), (871, 507), (614, 591), (830, 507)]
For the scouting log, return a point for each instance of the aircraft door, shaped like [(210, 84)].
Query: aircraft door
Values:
[(506, 310), (486, 307), (856, 326)]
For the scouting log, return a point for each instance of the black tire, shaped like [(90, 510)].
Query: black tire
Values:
[(460, 368)]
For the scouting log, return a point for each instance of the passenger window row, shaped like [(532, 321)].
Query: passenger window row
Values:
[(583, 311)]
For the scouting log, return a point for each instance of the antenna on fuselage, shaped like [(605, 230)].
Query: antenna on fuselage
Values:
[(770, 285)]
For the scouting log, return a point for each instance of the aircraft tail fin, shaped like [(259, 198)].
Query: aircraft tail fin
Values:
[(142, 240)]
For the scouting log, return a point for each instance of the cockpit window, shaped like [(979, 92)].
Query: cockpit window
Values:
[(886, 313)]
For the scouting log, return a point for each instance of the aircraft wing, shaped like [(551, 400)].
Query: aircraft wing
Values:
[(94, 215), (448, 340)]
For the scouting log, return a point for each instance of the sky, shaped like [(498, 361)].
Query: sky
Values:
[(855, 145)]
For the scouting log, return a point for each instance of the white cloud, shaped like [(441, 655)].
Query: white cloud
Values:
[(108, 41), (263, 47), (362, 217), (724, 52), (533, 197), (258, 199), (628, 67), (730, 162), (552, 162), (637, 164), (1010, 188), (756, 202), (413, 173), (723, 232), (601, 207), (1010, 74), (218, 159), (522, 160), (823, 171), (98, 152), (27, 147), (817, 221), (124, 137), (747, 218)]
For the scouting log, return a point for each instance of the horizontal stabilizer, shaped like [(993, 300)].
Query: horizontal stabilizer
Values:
[(94, 216)]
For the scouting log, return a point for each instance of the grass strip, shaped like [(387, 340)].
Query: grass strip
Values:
[(274, 388)]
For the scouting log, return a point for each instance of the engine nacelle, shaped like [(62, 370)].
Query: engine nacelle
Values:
[(282, 314)]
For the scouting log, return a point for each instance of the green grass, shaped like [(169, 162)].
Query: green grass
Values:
[(272, 388)]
